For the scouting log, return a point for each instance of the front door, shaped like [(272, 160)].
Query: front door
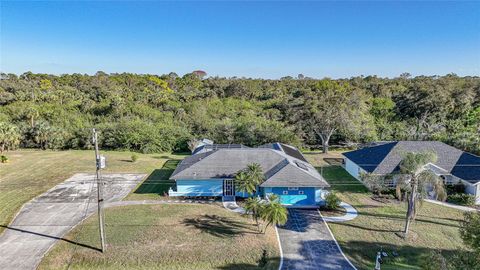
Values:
[(228, 187)]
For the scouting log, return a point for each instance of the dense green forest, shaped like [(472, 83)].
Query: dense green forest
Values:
[(151, 113)]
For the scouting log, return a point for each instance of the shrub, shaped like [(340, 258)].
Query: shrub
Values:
[(455, 188), (461, 199), (134, 158), (3, 159), (332, 201), (434, 260)]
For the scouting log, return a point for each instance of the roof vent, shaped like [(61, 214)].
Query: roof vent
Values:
[(301, 165)]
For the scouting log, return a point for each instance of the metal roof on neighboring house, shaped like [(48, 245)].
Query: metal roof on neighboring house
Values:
[(386, 157), (281, 168)]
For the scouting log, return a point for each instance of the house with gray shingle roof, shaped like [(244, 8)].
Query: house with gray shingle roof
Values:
[(211, 169), (452, 165)]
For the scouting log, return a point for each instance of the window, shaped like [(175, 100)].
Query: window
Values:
[(293, 188), (285, 192), (301, 192)]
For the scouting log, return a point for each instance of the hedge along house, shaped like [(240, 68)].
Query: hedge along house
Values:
[(453, 165), (210, 171)]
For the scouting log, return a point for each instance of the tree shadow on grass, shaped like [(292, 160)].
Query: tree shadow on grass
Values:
[(50, 236), (158, 181), (219, 226), (271, 264), (369, 228), (417, 219)]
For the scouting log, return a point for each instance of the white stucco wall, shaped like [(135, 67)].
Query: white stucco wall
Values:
[(478, 195), (352, 168), (474, 190)]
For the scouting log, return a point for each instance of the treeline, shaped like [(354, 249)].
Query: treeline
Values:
[(151, 113)]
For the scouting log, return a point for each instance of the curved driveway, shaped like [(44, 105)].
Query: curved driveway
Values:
[(307, 243), (47, 218)]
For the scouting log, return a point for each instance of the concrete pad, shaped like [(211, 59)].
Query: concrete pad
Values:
[(351, 213), (48, 217)]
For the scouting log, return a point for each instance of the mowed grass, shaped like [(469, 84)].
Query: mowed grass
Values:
[(168, 237), (32, 172), (436, 227), (157, 184)]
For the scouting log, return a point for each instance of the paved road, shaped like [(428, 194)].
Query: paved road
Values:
[(47, 218), (308, 245)]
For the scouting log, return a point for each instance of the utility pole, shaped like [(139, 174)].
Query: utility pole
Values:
[(100, 164)]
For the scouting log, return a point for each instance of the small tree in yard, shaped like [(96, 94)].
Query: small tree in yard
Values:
[(249, 178), (255, 173), (254, 206), (244, 184), (332, 201), (134, 158), (273, 213), (416, 176), (376, 183)]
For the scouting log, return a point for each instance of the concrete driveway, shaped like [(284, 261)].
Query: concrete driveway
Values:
[(308, 245), (47, 218)]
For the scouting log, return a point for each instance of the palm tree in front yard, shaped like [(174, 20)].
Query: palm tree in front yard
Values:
[(254, 206), (244, 183), (417, 177), (273, 213), (255, 173), (249, 178)]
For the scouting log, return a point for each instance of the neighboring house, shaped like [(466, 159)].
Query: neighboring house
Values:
[(452, 165), (210, 171)]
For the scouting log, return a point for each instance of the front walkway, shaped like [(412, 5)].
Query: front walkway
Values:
[(350, 215), (233, 206), (458, 207), (308, 244)]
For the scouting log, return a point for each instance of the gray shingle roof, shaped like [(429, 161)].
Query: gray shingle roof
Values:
[(280, 168), (291, 176), (385, 158)]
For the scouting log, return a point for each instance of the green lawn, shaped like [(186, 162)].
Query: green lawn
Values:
[(167, 237), (32, 172), (157, 183), (436, 227)]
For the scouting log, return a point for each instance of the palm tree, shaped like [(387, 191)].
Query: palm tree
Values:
[(273, 213), (9, 136), (249, 178), (416, 177), (244, 183), (255, 172), (254, 206)]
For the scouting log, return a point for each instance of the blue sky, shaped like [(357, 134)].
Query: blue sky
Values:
[(253, 39)]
